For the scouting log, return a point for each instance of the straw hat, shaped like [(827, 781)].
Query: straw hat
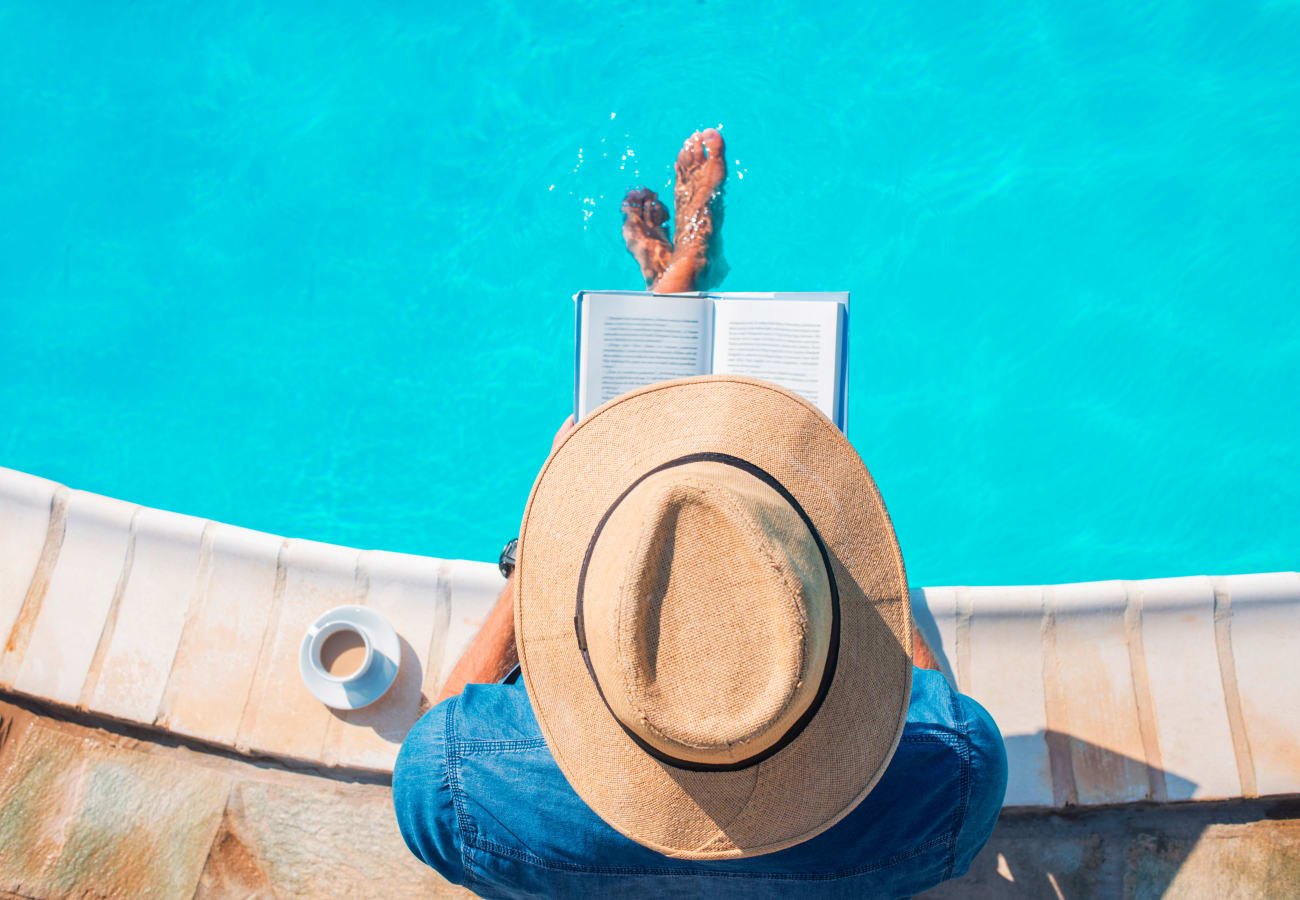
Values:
[(712, 617)]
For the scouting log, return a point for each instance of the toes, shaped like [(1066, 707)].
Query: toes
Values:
[(712, 141), (700, 148), (655, 212), (634, 200), (643, 204), (691, 153)]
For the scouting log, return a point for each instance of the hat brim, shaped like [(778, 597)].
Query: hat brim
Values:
[(819, 777)]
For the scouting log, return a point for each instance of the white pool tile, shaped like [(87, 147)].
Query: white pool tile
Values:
[(82, 585), (1097, 705), (24, 520), (1266, 648), (1006, 676), (150, 616), (282, 716), (405, 590), (1186, 689), (222, 637)]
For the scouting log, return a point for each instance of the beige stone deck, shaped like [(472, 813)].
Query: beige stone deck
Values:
[(156, 740)]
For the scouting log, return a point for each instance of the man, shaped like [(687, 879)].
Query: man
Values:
[(711, 619)]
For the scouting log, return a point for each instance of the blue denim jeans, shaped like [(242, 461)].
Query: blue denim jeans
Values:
[(479, 798)]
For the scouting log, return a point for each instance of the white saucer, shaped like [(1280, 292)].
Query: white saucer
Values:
[(378, 678)]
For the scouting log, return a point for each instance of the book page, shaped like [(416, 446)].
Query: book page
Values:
[(627, 341), (795, 343)]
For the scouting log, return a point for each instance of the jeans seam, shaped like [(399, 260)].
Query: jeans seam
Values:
[(457, 795), (962, 747), (522, 745)]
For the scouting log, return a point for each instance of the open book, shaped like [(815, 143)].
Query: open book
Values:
[(626, 339)]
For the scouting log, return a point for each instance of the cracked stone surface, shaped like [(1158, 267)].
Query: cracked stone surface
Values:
[(1242, 849), (80, 816), (328, 840), (87, 811)]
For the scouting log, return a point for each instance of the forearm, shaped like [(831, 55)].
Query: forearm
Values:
[(492, 654), (922, 656)]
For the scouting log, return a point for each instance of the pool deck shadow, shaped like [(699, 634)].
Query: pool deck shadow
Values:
[(1238, 848)]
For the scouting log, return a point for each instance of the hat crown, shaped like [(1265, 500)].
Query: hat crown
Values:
[(707, 613)]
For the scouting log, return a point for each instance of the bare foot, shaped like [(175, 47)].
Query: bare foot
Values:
[(701, 170), (643, 232)]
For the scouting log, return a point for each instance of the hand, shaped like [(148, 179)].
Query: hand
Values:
[(564, 429)]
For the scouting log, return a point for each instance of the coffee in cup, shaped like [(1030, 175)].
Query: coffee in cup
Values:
[(341, 651)]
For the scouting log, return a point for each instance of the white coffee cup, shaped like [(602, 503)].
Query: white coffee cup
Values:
[(349, 656), (333, 649)]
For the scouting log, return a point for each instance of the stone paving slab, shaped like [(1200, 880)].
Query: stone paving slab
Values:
[(1254, 859), (82, 816), (89, 812), (326, 840), (1238, 849)]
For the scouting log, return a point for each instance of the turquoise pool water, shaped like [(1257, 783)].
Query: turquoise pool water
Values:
[(306, 267)]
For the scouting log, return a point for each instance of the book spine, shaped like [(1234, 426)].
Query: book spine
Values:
[(577, 350)]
